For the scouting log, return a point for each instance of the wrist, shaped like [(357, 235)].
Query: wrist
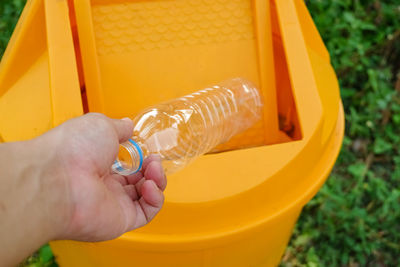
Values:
[(54, 196), (30, 199)]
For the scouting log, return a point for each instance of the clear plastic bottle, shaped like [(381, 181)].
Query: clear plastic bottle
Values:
[(184, 128)]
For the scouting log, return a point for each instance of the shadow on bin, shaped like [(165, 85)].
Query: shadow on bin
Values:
[(236, 207)]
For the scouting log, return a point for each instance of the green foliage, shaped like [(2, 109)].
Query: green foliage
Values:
[(355, 218), (42, 258), (9, 14)]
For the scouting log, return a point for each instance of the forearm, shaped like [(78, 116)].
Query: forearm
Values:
[(29, 197)]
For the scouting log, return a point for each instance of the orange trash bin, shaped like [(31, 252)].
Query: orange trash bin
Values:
[(236, 207)]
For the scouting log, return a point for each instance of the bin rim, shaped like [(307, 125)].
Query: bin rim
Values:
[(147, 241)]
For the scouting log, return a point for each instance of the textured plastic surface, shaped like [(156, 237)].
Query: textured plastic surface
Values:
[(235, 208), (182, 129), (186, 45)]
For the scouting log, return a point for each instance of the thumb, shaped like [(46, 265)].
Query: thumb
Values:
[(124, 128)]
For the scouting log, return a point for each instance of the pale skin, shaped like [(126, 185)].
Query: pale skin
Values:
[(59, 186)]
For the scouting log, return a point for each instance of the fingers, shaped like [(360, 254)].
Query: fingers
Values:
[(131, 191), (121, 179), (155, 172), (134, 178), (149, 204), (138, 189), (123, 128), (151, 195), (152, 170), (151, 158), (139, 185), (136, 211), (146, 191)]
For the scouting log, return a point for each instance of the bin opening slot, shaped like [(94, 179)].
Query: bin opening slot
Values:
[(147, 52)]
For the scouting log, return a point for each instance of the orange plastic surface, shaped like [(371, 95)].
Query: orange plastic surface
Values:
[(234, 208), (139, 53), (39, 84)]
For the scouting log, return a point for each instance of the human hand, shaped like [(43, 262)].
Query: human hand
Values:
[(98, 204), (60, 186)]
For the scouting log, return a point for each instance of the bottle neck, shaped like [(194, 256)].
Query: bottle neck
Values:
[(130, 158)]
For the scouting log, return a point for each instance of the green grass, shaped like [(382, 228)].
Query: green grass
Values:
[(9, 14), (355, 218), (41, 258)]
